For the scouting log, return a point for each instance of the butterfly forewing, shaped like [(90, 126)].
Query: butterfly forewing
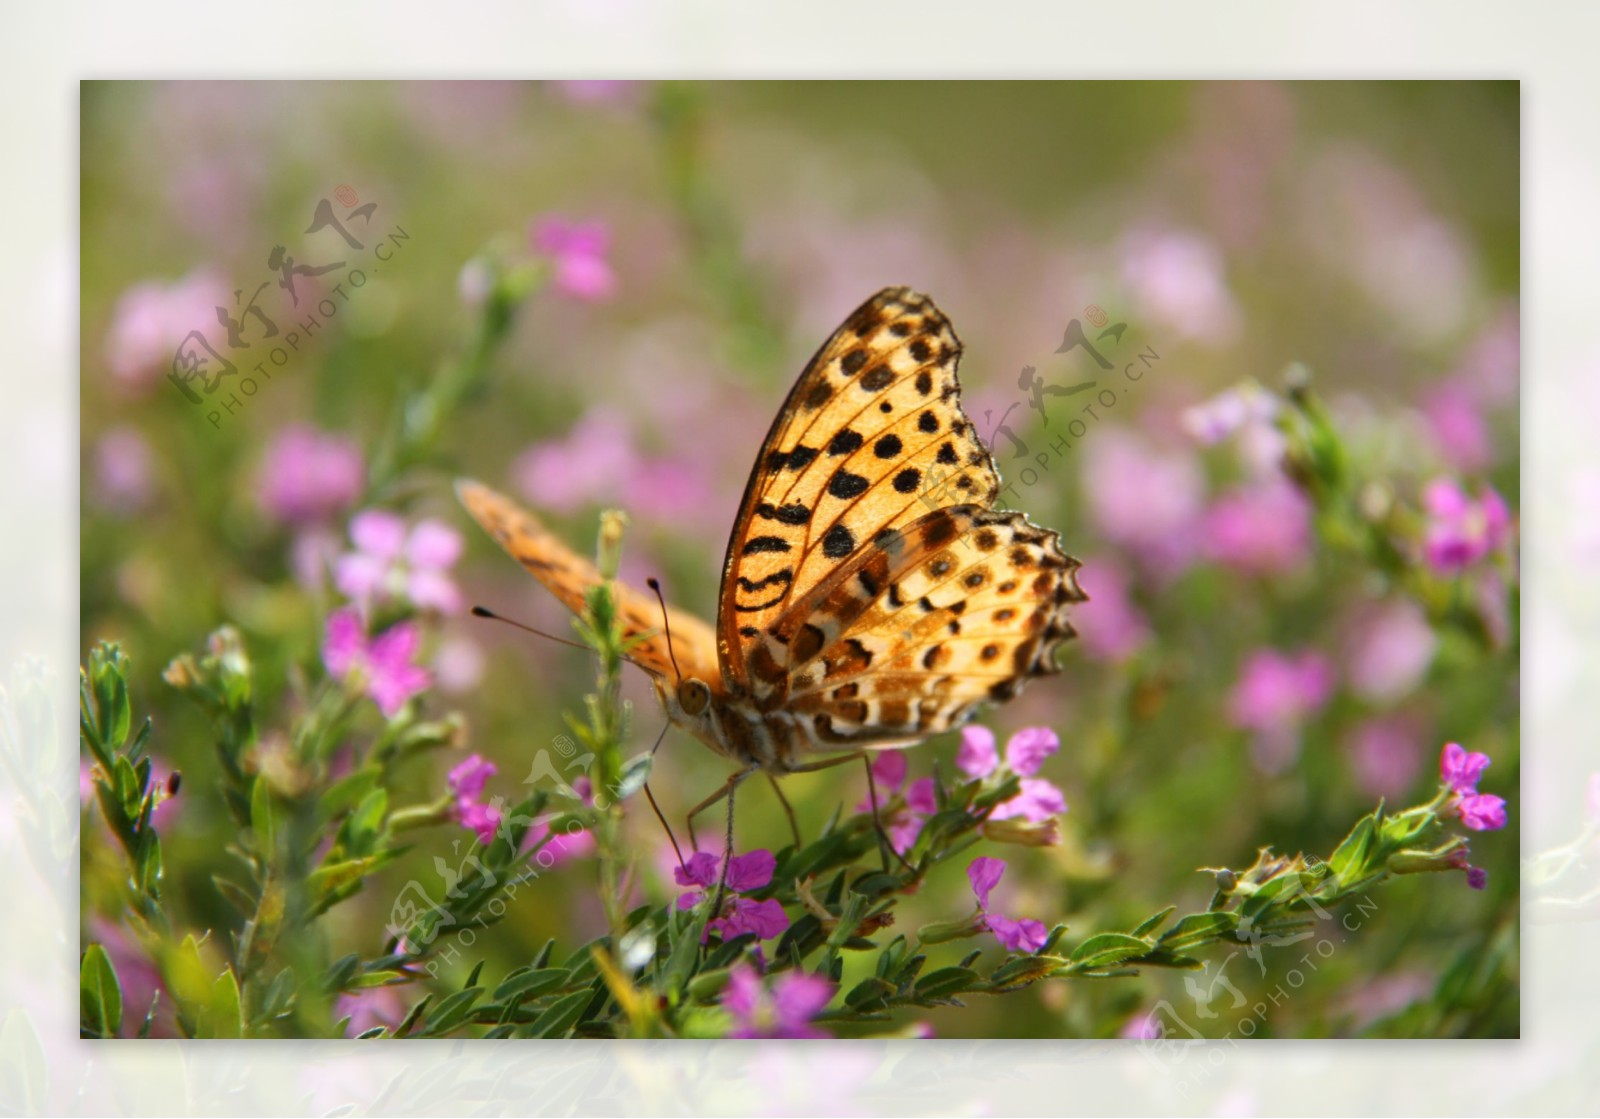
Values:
[(871, 438), (570, 577)]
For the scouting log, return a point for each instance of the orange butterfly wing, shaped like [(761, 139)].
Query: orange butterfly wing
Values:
[(569, 577), (869, 582)]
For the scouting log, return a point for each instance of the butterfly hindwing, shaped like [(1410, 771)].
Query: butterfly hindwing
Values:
[(569, 577), (871, 438)]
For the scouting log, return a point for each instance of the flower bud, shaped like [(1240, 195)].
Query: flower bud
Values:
[(1022, 832), (1452, 856), (940, 931)]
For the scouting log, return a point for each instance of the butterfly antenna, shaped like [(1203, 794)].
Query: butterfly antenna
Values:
[(656, 808), (655, 584), (485, 612)]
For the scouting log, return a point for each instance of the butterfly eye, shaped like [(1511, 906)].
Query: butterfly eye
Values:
[(694, 696)]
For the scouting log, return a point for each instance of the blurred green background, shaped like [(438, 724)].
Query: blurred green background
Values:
[(1366, 230)]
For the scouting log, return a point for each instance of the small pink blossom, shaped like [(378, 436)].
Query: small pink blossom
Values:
[(1477, 878), (746, 873), (1143, 499), (1458, 427), (151, 320), (1029, 747), (1228, 413), (480, 818), (369, 1008), (1017, 935), (467, 779), (124, 470), (1460, 530), (904, 824), (1026, 750), (1275, 694), (391, 563), (308, 477), (787, 1012), (1389, 651), (578, 251), (1109, 625), (1038, 801), (1482, 812), (977, 757), (383, 663), (1142, 1027), (1460, 769), (1260, 529)]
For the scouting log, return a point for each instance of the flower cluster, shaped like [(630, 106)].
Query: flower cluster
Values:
[(466, 782), (1461, 770), (1017, 934), (785, 1012), (1462, 530), (746, 874), (392, 563), (1039, 801), (381, 666)]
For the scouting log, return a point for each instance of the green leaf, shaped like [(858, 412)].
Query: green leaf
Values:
[(1350, 857), (100, 995), (1197, 929), (1153, 922), (869, 994), (1107, 949), (454, 1010), (1027, 969), (560, 1016), (945, 982), (227, 1019), (261, 819)]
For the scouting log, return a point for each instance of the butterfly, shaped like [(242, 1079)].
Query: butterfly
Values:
[(872, 594)]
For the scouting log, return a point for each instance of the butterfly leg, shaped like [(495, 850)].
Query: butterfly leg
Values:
[(872, 794), (794, 826), (725, 791)]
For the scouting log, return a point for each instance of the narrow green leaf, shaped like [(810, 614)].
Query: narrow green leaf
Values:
[(227, 1018), (1350, 857), (1197, 929), (452, 1011), (1106, 949), (100, 995), (560, 1016), (946, 981), (1153, 922), (261, 819)]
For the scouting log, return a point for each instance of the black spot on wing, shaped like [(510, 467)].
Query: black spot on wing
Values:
[(759, 544), (846, 485), (839, 542)]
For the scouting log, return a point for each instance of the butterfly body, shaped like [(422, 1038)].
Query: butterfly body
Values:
[(872, 595)]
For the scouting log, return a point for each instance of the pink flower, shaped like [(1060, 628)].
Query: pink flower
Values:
[(1026, 752), (1228, 413), (383, 664), (390, 563), (1110, 626), (746, 873), (904, 824), (1024, 935), (1177, 277), (1458, 427), (1275, 694), (369, 1008), (124, 470), (596, 462), (308, 476), (1390, 651), (578, 251), (467, 779), (483, 819), (1482, 812), (1461, 770), (151, 320), (1385, 756), (1144, 500), (1260, 529), (796, 999), (598, 92), (1461, 531), (1477, 878), (1142, 1027)]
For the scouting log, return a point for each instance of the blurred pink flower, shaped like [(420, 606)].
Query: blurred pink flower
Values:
[(382, 663), (458, 665), (1260, 529), (370, 1008), (1143, 1026), (1109, 625), (1389, 651), (1385, 756), (596, 463), (1228, 413), (308, 477), (578, 251), (787, 1012), (151, 320), (599, 92), (1461, 531), (1017, 935), (1458, 427), (391, 563), (467, 779), (124, 470), (1276, 692), (1176, 277), (1142, 499)]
